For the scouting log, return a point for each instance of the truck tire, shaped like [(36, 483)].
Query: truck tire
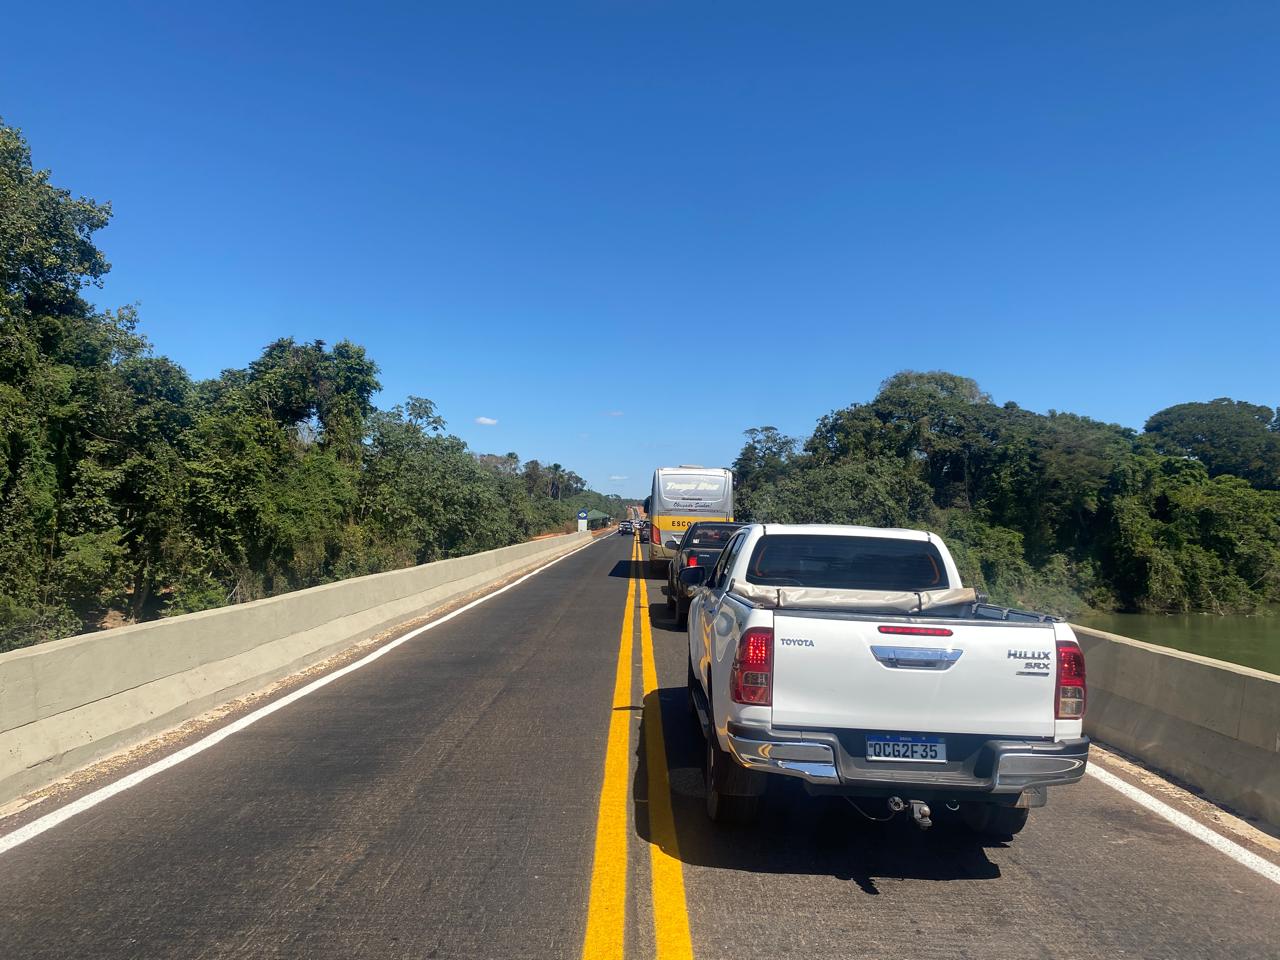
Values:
[(732, 796), (657, 568), (992, 820), (682, 612), (672, 602)]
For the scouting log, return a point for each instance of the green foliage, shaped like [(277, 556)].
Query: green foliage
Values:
[(1054, 511), (993, 559), (880, 493), (1227, 436), (1179, 540), (764, 457), (128, 491)]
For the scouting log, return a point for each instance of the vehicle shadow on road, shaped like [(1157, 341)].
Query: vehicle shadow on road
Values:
[(626, 569), (639, 569), (793, 833)]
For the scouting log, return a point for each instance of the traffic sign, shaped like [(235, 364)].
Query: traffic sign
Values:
[(582, 514)]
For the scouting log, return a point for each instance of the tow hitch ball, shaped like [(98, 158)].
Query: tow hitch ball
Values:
[(919, 811)]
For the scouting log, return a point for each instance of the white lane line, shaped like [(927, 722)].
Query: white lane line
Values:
[(90, 800), (1198, 830)]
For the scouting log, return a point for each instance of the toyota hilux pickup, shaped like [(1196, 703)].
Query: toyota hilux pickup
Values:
[(853, 660)]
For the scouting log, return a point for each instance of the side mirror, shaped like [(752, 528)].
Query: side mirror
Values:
[(694, 576), (672, 545)]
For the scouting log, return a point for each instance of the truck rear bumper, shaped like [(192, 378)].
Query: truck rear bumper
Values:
[(832, 761), (805, 759)]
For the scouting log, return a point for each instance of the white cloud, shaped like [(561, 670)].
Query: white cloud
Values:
[(486, 421), (616, 477), (614, 413)]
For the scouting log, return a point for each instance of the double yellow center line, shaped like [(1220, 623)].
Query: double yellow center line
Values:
[(606, 912)]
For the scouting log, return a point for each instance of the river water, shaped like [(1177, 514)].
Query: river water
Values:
[(1252, 641)]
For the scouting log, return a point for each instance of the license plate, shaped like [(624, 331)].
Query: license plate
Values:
[(908, 749)]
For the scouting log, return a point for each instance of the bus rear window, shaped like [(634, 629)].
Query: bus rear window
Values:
[(846, 563), (693, 488)]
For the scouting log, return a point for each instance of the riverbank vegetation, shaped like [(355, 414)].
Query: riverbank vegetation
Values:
[(1053, 511), (128, 490)]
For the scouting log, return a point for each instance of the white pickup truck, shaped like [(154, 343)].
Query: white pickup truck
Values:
[(852, 659)]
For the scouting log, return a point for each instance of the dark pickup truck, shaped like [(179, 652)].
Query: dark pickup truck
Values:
[(700, 547)]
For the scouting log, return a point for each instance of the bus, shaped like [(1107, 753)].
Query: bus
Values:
[(683, 495)]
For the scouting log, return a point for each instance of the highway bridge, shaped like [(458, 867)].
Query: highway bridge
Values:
[(522, 780)]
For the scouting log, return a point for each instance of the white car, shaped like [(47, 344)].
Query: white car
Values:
[(852, 659)]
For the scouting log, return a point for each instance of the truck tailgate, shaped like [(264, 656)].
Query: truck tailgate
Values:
[(832, 671)]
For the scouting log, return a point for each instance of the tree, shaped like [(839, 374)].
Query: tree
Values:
[(1052, 510), (127, 489), (879, 493), (60, 548), (1227, 436), (764, 457)]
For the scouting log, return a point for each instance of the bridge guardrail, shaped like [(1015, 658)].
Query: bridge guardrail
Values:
[(69, 702), (1212, 724)]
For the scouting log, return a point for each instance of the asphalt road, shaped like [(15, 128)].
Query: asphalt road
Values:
[(445, 801)]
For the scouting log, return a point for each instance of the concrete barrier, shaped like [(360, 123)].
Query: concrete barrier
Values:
[(1212, 724), (67, 703)]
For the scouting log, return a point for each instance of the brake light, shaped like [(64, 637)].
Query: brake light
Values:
[(751, 679), (655, 535), (1071, 685), (692, 561), (917, 631)]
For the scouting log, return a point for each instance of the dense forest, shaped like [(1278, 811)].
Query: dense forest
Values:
[(130, 491), (1057, 511)]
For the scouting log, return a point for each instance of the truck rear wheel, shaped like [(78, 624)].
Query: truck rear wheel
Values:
[(732, 795)]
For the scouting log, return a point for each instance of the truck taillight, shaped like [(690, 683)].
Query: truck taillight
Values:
[(692, 561), (751, 679), (1071, 686), (655, 535)]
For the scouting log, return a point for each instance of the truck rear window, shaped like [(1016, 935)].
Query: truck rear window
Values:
[(710, 536), (846, 563)]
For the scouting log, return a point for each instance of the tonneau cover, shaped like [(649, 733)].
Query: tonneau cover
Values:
[(901, 602)]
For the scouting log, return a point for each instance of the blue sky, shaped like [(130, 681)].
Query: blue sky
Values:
[(627, 231)]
